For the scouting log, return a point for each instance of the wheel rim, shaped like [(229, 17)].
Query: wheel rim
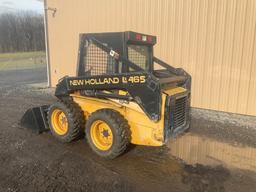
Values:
[(101, 135), (59, 122)]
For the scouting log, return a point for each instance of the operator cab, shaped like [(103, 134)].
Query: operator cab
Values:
[(135, 47), (136, 50)]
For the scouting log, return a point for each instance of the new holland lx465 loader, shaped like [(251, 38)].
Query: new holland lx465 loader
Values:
[(122, 94)]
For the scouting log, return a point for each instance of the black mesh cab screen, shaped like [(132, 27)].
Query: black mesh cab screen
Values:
[(97, 62), (139, 55)]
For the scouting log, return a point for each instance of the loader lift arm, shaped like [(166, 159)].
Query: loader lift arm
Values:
[(136, 84)]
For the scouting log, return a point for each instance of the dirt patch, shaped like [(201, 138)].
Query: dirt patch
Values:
[(205, 178)]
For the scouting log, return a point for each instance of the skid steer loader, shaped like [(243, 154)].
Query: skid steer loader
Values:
[(121, 94)]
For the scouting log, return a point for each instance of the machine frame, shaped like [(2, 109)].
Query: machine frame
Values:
[(119, 87)]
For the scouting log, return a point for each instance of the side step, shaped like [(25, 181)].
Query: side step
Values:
[(36, 119)]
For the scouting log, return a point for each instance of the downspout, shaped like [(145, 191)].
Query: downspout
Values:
[(47, 45)]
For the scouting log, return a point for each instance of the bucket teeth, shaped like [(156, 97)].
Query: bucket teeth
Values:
[(36, 119)]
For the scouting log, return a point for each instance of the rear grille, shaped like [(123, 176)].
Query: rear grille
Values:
[(177, 118), (180, 112)]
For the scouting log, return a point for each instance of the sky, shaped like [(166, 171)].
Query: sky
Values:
[(21, 5)]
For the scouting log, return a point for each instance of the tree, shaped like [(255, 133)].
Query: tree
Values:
[(22, 31)]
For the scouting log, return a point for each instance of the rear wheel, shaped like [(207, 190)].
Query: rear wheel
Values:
[(108, 133), (66, 120)]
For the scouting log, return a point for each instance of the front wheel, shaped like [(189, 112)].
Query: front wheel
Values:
[(108, 133), (66, 120)]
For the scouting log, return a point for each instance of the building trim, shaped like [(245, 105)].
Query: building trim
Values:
[(49, 83)]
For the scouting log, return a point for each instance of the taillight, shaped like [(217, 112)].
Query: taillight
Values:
[(149, 39), (138, 37), (141, 38)]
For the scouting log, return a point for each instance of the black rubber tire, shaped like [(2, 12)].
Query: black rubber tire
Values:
[(120, 130), (75, 118)]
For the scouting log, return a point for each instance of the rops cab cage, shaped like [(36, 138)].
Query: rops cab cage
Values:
[(106, 64)]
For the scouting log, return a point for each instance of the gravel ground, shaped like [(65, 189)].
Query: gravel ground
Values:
[(30, 162), (225, 127)]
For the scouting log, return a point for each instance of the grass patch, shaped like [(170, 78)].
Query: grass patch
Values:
[(22, 60), (22, 54)]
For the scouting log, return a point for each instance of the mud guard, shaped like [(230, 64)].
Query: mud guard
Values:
[(36, 119)]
